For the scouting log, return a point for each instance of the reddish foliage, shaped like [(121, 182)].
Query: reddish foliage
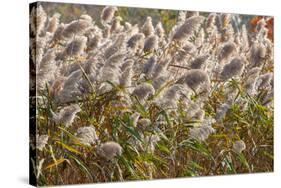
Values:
[(269, 25)]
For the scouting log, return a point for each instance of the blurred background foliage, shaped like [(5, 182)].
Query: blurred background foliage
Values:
[(70, 12), (168, 18)]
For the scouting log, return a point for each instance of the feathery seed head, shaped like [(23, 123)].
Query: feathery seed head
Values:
[(222, 111), (264, 81), (149, 66), (87, 135), (58, 33), (234, 68), (227, 50), (201, 132), (143, 90), (188, 49), (159, 30), (136, 41), (199, 62), (211, 20), (53, 23), (144, 122), (46, 69), (135, 117), (76, 46), (187, 29), (195, 78), (38, 19), (67, 114), (108, 13), (86, 17), (110, 149), (181, 17), (258, 53), (239, 146), (75, 27), (150, 43), (126, 77), (117, 46), (41, 141), (147, 28)]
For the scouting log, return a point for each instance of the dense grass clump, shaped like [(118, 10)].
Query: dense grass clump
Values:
[(117, 102)]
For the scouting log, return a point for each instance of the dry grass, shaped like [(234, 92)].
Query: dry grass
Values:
[(167, 105)]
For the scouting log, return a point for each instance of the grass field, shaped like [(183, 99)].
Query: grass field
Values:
[(157, 95)]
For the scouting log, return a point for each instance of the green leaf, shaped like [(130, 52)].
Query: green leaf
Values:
[(230, 167), (69, 148), (197, 146), (81, 165), (243, 160), (132, 131), (56, 163), (163, 148)]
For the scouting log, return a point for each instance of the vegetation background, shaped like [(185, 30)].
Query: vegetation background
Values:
[(133, 15), (256, 114)]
